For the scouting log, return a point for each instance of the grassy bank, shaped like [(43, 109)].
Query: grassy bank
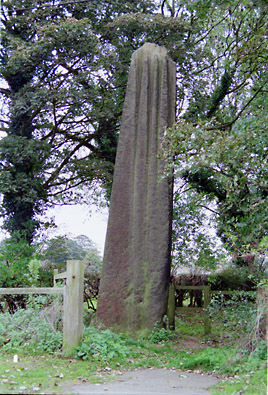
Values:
[(227, 353)]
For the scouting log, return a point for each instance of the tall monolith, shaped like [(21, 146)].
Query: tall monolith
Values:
[(136, 268)]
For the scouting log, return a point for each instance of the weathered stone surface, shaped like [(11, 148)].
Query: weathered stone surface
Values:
[(136, 268)]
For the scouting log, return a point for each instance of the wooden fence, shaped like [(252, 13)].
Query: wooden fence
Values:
[(207, 292), (72, 292)]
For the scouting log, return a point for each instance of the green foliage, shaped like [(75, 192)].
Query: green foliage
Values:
[(246, 320), (232, 277), (220, 92), (209, 359), (65, 71), (102, 345), (34, 267), (20, 265), (236, 313), (227, 361), (14, 259), (219, 142), (29, 330), (160, 335), (23, 265), (20, 159), (229, 349), (105, 345), (56, 252), (193, 245), (224, 352), (260, 351), (228, 168)]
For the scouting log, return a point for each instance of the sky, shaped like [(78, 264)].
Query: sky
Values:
[(79, 220)]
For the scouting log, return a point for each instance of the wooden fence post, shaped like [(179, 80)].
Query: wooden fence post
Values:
[(171, 307), (207, 300), (73, 306), (56, 271)]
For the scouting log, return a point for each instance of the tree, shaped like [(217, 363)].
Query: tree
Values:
[(194, 241), (65, 67), (220, 88), (58, 250), (39, 95), (220, 140)]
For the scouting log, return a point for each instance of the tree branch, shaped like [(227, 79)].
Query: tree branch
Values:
[(61, 166), (209, 209), (230, 123), (218, 23), (5, 91), (3, 129)]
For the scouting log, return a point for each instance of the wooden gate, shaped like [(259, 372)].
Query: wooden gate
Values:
[(206, 289)]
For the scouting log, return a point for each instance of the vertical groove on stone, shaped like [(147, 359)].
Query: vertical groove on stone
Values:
[(134, 283)]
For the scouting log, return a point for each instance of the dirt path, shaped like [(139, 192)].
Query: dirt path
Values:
[(149, 382)]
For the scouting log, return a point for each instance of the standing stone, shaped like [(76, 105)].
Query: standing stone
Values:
[(136, 267)]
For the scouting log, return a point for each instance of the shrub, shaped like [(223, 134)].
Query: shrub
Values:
[(29, 330), (160, 335), (235, 313), (103, 345), (241, 315), (231, 278), (19, 267)]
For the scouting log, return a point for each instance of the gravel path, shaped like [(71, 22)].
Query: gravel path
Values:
[(149, 382)]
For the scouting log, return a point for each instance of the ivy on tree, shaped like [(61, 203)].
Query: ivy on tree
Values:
[(65, 78)]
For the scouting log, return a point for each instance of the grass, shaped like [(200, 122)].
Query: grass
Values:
[(223, 353), (251, 384), (44, 374)]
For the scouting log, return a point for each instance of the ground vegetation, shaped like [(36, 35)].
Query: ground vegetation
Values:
[(235, 351)]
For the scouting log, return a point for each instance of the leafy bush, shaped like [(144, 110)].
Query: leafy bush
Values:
[(159, 335), (233, 277), (14, 259), (226, 360), (29, 330), (236, 313), (242, 316), (19, 267), (261, 351), (103, 345)]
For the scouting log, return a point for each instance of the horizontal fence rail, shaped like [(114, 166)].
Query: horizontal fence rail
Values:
[(191, 287), (234, 292), (59, 276), (32, 290)]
